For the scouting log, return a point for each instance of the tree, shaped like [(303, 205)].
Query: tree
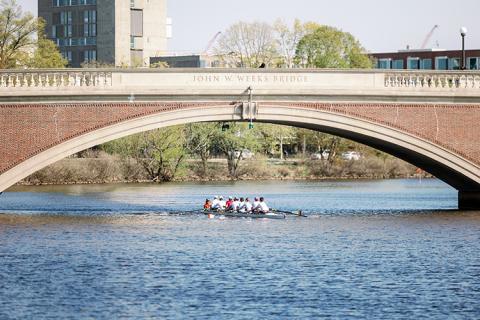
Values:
[(160, 152), (328, 47), (46, 55), (287, 41), (273, 135), (17, 31), (200, 137), (231, 139), (247, 45)]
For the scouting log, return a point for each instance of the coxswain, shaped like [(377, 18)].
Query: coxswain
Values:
[(263, 208), (208, 205)]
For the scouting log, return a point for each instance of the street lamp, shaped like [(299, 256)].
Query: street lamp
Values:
[(463, 33)]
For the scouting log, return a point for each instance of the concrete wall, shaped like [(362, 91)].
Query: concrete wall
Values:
[(154, 29), (122, 32)]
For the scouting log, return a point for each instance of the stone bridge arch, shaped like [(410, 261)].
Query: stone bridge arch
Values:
[(36, 135)]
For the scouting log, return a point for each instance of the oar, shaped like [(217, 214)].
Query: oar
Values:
[(298, 213)]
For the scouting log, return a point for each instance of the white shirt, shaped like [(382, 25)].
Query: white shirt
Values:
[(241, 207), (222, 203), (263, 207), (215, 204), (255, 205), (234, 206), (247, 206)]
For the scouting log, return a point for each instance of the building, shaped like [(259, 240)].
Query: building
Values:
[(118, 32), (429, 59), (188, 61)]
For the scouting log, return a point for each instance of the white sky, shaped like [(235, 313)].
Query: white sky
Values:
[(380, 25)]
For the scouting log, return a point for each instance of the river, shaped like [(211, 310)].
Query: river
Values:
[(390, 249)]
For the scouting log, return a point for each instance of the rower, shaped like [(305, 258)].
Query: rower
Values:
[(256, 204), (216, 205), (235, 204), (263, 208), (241, 205), (229, 202), (248, 205), (222, 203)]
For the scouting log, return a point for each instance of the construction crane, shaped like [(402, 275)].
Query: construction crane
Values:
[(211, 42), (429, 36)]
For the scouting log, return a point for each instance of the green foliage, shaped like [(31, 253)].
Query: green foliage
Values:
[(232, 141), (160, 152), (18, 45), (274, 137), (17, 31), (200, 138), (328, 47), (46, 55)]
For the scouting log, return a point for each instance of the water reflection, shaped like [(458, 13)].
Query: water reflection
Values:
[(386, 249)]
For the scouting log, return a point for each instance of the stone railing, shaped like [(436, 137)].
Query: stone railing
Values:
[(36, 79), (229, 81), (432, 80)]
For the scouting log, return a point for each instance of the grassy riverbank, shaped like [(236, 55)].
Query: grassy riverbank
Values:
[(104, 168)]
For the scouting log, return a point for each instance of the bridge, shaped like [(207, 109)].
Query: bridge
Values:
[(429, 119)]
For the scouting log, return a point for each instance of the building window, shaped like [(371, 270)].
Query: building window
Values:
[(413, 63), (69, 3), (66, 17), (426, 64), (90, 55), (384, 63), (136, 23), (441, 63), (473, 63), (67, 55), (90, 26), (397, 64), (454, 64)]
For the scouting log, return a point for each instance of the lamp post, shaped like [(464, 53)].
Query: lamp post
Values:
[(463, 33)]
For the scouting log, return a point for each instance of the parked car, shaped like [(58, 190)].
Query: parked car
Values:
[(319, 156), (245, 154), (351, 156)]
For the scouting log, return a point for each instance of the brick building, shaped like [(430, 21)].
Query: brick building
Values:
[(116, 32), (429, 59)]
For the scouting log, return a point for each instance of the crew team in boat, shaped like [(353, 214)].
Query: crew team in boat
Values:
[(234, 204)]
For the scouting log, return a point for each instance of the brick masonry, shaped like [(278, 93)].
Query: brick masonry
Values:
[(28, 129)]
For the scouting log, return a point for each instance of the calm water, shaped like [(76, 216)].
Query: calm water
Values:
[(369, 249)]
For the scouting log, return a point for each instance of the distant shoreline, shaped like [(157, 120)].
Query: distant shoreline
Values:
[(111, 170)]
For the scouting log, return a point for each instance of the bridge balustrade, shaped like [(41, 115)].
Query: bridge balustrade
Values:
[(38, 79), (432, 80)]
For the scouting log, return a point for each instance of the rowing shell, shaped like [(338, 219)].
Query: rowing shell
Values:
[(247, 215)]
